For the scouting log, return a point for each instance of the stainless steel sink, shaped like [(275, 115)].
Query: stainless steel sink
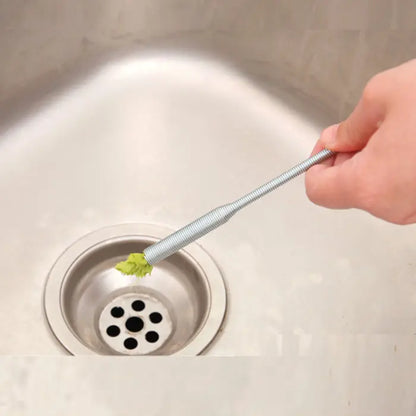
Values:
[(156, 112), (160, 137)]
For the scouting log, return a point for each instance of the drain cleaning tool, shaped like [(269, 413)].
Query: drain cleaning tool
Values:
[(213, 219), (140, 264)]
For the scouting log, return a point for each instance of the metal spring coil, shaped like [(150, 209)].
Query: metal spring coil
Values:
[(213, 219)]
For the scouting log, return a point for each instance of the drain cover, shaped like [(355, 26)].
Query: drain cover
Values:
[(132, 324), (94, 309)]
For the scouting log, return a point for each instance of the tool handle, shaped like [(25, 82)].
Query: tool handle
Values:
[(283, 178)]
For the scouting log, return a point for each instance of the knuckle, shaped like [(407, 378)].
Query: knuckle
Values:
[(367, 192), (405, 218), (313, 189), (373, 89), (346, 131), (373, 197), (310, 187)]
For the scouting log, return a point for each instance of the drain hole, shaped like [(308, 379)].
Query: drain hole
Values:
[(134, 324), (152, 336), (130, 343), (113, 330), (155, 317), (138, 305), (117, 312)]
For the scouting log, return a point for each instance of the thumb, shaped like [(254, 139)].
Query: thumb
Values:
[(353, 134)]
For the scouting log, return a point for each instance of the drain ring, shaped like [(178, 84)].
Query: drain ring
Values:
[(82, 286)]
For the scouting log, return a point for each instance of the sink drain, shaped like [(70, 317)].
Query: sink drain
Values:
[(94, 309), (132, 324)]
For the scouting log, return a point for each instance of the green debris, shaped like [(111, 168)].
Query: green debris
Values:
[(136, 264)]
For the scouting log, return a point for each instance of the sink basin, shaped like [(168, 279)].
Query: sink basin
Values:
[(161, 137)]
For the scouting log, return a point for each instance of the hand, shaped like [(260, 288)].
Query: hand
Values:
[(375, 165)]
